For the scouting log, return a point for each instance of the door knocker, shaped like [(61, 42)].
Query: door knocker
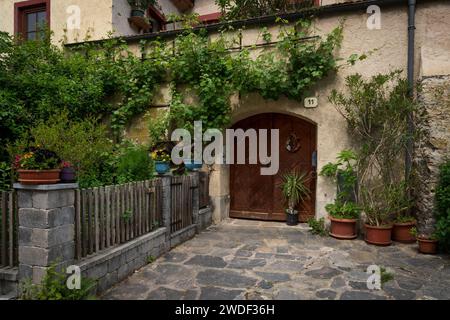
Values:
[(292, 143)]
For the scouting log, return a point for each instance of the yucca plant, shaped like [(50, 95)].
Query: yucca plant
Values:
[(294, 188)]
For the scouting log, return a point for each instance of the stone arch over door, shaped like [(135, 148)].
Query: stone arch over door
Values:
[(255, 196)]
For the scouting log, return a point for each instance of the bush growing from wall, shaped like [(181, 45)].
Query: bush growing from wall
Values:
[(443, 207)]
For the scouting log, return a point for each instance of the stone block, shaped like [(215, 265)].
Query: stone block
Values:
[(47, 238), (25, 199), (25, 271), (44, 219), (98, 271), (53, 199), (107, 281), (33, 256), (124, 271)]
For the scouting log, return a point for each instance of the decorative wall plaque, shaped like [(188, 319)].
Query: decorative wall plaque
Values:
[(292, 143)]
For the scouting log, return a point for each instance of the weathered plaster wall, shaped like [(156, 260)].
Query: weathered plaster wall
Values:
[(434, 101), (391, 42), (205, 7), (96, 19)]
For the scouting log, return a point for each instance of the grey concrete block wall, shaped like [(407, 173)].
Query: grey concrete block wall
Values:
[(47, 235), (46, 228), (115, 264)]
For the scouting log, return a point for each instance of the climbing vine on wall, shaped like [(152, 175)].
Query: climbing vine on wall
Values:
[(110, 81)]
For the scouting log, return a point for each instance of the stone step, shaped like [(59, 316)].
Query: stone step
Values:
[(10, 296)]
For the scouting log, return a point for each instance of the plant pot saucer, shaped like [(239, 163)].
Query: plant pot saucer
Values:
[(387, 243), (343, 237)]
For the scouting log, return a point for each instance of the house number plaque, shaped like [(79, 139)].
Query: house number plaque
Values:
[(311, 102)]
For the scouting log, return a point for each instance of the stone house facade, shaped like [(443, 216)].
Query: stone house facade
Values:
[(327, 129)]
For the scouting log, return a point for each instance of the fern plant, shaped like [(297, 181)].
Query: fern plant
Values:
[(294, 189)]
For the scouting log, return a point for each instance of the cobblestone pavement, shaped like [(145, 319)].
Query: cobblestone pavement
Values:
[(242, 259)]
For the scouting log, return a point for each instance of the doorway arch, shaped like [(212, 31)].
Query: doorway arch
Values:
[(254, 196)]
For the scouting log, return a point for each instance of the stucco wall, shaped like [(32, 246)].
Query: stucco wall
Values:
[(332, 134), (95, 23), (203, 7)]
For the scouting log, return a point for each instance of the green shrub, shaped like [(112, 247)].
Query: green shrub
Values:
[(317, 226), (5, 176), (54, 287), (84, 143), (134, 163), (443, 207)]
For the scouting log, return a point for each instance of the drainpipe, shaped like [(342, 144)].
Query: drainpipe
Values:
[(411, 34)]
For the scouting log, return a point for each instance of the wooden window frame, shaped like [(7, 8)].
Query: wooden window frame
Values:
[(21, 9)]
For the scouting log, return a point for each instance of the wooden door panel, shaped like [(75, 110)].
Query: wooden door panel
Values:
[(255, 196)]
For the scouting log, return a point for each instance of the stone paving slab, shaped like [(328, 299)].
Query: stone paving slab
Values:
[(255, 260)]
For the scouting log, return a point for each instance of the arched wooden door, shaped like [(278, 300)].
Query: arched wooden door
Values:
[(255, 196)]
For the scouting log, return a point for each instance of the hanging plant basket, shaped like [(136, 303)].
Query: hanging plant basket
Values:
[(34, 177)]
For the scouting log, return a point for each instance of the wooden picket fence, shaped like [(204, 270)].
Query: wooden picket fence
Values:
[(182, 203), (111, 215), (8, 229), (203, 186)]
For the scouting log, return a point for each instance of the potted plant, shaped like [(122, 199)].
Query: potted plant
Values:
[(138, 7), (344, 212), (68, 173), (192, 165), (427, 244), (38, 166), (162, 160), (377, 208), (403, 222), (343, 218), (295, 191)]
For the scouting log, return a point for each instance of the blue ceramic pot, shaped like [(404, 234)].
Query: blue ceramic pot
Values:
[(192, 165), (162, 167)]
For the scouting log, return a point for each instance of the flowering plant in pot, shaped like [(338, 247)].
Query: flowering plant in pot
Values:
[(162, 160), (295, 191), (37, 165), (68, 172), (344, 212), (427, 243)]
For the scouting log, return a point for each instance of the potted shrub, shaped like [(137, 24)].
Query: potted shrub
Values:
[(427, 244), (403, 222), (294, 190), (138, 7), (161, 157), (38, 166), (68, 173), (344, 212), (377, 209), (401, 230), (343, 218)]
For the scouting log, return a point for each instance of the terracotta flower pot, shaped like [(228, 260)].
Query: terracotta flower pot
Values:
[(343, 228), (39, 176), (427, 246), (401, 232), (380, 236)]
